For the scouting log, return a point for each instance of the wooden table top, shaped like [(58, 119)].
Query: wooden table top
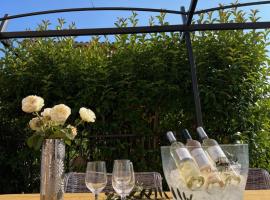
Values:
[(249, 195)]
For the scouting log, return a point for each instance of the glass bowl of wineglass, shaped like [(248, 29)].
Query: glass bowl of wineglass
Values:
[(96, 177), (123, 179)]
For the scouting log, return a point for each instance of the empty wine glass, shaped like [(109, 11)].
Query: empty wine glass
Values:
[(96, 177), (123, 179)]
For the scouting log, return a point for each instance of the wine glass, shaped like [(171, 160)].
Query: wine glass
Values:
[(123, 179), (96, 177)]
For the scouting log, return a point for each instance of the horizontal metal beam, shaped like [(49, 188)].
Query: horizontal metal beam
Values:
[(238, 5), (84, 32), (135, 30), (92, 9)]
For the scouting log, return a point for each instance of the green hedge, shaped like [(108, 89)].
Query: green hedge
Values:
[(137, 84)]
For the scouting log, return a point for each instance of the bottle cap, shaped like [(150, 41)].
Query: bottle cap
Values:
[(171, 137), (201, 132), (186, 134)]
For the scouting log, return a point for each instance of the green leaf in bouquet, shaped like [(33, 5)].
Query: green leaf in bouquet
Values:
[(68, 133), (68, 142), (58, 134), (38, 142), (35, 141), (30, 141)]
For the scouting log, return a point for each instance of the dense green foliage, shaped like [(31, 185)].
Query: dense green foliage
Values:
[(137, 84)]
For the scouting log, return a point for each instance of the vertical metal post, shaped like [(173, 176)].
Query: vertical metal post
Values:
[(3, 26), (193, 73), (3, 23)]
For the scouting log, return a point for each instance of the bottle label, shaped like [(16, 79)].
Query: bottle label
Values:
[(200, 157), (183, 153), (216, 153)]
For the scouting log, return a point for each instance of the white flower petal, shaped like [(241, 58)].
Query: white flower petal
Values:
[(32, 104), (87, 115), (60, 113)]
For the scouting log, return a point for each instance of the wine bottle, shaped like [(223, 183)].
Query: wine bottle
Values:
[(218, 156), (185, 163), (213, 182), (213, 149)]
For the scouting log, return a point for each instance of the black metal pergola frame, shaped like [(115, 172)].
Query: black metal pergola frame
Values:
[(186, 28)]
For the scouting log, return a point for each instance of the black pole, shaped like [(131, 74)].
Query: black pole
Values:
[(191, 11), (191, 58), (3, 23), (189, 16), (3, 26)]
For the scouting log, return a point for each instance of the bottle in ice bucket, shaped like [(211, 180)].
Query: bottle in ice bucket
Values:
[(185, 163), (228, 174), (213, 182)]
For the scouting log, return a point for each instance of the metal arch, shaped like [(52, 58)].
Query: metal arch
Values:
[(92, 9), (238, 5), (133, 9)]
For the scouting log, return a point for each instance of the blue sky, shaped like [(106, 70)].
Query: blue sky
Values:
[(100, 18)]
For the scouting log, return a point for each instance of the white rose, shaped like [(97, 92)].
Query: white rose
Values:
[(73, 130), (60, 113), (35, 124), (32, 103), (87, 115), (46, 112)]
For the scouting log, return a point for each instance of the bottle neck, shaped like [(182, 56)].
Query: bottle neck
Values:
[(186, 135), (202, 133), (171, 137)]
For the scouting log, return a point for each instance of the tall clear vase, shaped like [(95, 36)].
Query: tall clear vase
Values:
[(52, 170)]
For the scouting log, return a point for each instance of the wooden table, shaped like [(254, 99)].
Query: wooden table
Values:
[(249, 195)]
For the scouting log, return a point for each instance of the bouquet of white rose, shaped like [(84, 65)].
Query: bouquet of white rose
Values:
[(50, 124)]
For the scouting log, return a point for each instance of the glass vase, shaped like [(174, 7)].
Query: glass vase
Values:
[(52, 170), (239, 161)]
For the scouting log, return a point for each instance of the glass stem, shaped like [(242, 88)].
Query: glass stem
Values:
[(96, 196), (123, 197)]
